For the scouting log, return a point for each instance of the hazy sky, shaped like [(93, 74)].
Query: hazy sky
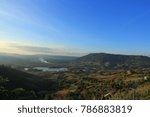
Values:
[(75, 27)]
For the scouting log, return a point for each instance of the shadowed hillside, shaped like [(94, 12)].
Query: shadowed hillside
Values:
[(16, 84)]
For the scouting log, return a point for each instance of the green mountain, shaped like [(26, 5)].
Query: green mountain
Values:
[(113, 61)]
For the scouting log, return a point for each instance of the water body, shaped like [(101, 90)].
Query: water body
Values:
[(26, 69), (43, 60), (44, 69)]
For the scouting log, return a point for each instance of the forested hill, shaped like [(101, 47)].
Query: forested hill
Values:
[(114, 61), (15, 84)]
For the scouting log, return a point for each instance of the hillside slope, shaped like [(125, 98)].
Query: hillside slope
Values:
[(15, 84), (114, 61)]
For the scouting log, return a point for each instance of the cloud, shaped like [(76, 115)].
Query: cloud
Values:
[(30, 49), (37, 49), (33, 49), (55, 50)]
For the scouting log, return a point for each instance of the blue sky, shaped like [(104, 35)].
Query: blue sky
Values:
[(75, 27)]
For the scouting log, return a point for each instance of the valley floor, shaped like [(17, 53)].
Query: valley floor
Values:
[(97, 85)]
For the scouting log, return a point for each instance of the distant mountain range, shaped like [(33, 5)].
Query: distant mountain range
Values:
[(15, 59), (97, 60)]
